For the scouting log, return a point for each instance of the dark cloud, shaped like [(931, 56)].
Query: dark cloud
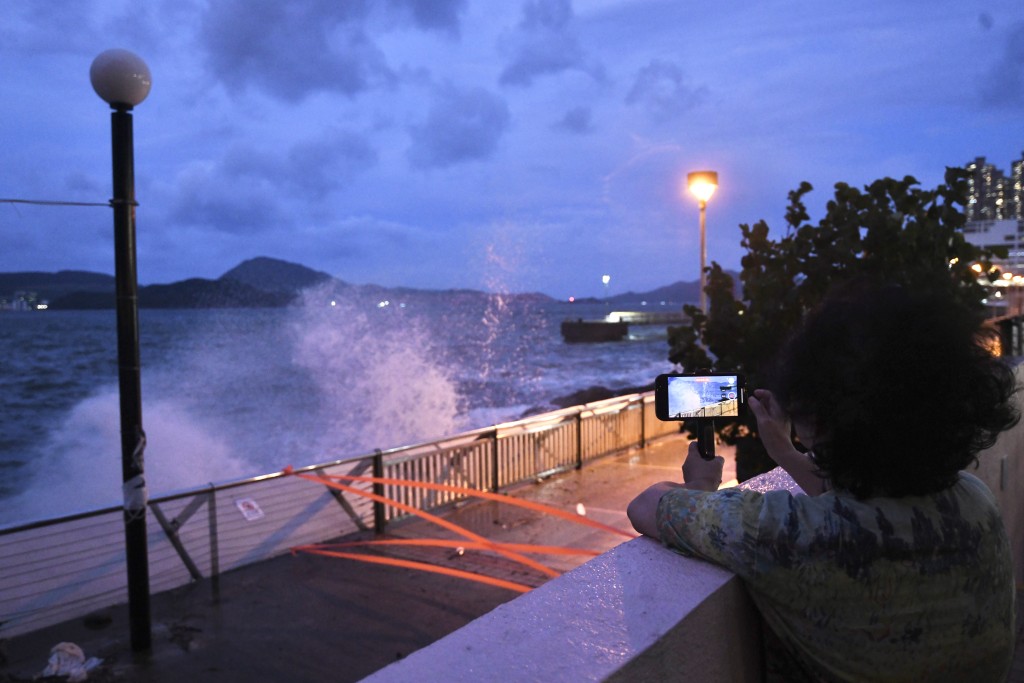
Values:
[(554, 15), (433, 15), (326, 165), (463, 124), (310, 168), (662, 89), (206, 200), (544, 44), (247, 191), (291, 49), (29, 27), (81, 184), (1003, 85), (576, 120)]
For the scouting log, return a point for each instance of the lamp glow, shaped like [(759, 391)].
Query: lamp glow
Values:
[(702, 184)]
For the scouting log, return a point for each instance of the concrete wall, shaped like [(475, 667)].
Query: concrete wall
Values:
[(636, 613), (1002, 468), (639, 612)]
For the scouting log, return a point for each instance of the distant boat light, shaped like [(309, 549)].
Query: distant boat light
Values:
[(572, 299), (384, 304)]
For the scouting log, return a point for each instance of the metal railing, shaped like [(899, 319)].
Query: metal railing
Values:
[(59, 569), (729, 407)]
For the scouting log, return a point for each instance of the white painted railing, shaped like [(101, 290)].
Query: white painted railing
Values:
[(59, 569)]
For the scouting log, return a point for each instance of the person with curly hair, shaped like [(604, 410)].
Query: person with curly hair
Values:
[(895, 565)]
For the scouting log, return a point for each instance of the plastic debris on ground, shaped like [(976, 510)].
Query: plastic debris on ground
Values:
[(67, 659)]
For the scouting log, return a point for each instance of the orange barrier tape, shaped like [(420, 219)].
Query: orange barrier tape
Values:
[(465, 533), (449, 543), (487, 495), (409, 564)]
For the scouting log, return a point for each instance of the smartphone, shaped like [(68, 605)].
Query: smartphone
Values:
[(687, 396)]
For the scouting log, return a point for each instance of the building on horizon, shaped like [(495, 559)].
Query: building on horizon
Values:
[(991, 194), (1008, 233), (995, 210)]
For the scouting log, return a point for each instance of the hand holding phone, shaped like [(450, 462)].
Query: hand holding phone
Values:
[(700, 473)]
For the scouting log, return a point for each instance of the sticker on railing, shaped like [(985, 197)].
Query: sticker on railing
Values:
[(249, 508)]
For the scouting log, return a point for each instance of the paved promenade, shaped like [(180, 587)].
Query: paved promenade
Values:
[(312, 618)]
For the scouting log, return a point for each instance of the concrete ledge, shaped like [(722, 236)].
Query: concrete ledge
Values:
[(638, 612)]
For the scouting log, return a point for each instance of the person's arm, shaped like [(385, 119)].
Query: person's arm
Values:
[(643, 510), (698, 474), (775, 431)]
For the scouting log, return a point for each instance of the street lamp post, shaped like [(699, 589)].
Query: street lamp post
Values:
[(122, 79), (702, 184)]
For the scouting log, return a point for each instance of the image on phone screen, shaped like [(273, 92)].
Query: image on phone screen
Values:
[(702, 396)]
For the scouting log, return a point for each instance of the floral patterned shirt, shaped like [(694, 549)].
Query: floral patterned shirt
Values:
[(884, 589)]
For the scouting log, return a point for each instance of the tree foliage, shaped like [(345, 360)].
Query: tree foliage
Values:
[(891, 230)]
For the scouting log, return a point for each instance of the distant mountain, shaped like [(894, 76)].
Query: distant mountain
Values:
[(51, 285), (678, 292), (193, 293), (255, 283), (274, 275), (200, 293)]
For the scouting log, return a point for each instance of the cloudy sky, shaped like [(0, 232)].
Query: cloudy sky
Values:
[(506, 145)]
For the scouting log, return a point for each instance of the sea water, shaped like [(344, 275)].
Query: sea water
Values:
[(232, 393)]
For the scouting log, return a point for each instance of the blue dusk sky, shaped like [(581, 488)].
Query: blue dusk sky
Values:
[(500, 145)]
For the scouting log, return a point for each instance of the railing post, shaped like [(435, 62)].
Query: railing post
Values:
[(579, 440), (211, 509), (643, 423), (494, 461), (379, 520)]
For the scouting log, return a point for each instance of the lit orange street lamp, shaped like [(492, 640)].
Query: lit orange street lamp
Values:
[(702, 184)]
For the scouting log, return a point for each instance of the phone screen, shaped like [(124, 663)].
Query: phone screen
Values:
[(685, 397)]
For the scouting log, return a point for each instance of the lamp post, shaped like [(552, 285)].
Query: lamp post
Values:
[(605, 279), (702, 184), (122, 79)]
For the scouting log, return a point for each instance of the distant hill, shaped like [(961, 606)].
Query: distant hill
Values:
[(677, 292), (193, 293), (200, 293), (255, 283), (274, 275), (52, 285)]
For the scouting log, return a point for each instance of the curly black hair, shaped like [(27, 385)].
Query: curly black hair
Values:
[(901, 389)]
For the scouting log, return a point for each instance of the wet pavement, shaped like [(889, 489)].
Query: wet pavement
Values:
[(312, 618)]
